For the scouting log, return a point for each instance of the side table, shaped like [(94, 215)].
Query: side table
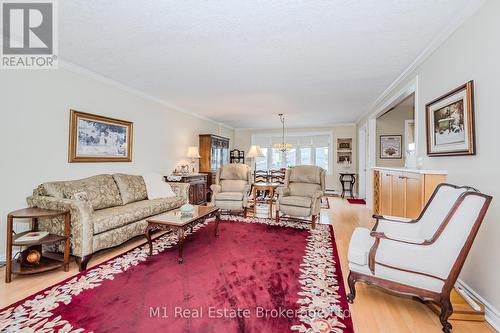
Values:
[(48, 261), (271, 187), (347, 180)]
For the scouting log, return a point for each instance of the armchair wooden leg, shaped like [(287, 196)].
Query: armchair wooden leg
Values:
[(245, 212), (314, 217), (446, 311), (352, 289), (277, 216)]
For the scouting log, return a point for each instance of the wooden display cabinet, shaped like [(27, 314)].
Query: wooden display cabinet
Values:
[(214, 152)]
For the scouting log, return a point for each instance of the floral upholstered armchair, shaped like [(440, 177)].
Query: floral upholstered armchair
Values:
[(232, 187), (301, 194)]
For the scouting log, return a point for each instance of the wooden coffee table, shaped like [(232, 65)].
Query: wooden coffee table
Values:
[(179, 223)]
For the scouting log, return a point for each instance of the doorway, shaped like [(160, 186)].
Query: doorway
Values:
[(363, 144)]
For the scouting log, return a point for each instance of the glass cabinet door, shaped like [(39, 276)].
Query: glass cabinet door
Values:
[(225, 156)]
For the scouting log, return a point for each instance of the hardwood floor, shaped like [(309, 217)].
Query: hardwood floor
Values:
[(374, 311)]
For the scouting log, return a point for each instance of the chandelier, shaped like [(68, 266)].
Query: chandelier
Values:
[(283, 146)]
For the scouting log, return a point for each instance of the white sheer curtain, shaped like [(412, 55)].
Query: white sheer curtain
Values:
[(308, 149)]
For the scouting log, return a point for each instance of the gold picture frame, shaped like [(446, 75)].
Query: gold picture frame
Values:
[(94, 138)]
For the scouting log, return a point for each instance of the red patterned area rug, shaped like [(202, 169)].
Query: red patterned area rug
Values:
[(357, 201), (256, 277)]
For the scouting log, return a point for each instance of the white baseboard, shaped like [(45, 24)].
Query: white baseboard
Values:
[(492, 315), (2, 258)]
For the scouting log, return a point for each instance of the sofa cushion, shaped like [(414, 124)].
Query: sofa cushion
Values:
[(156, 186), (295, 211), (78, 195), (101, 190), (234, 172), (303, 189), (132, 188), (229, 196), (296, 201), (115, 217), (233, 185), (305, 174)]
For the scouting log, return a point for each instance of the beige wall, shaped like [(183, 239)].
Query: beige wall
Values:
[(243, 140), (471, 53), (35, 108), (393, 123)]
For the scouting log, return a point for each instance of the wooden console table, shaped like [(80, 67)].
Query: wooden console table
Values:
[(47, 261), (198, 187)]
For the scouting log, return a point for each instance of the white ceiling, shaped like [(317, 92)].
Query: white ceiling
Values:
[(242, 62)]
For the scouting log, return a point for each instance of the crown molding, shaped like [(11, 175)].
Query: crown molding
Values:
[(459, 19), (323, 126), (101, 78)]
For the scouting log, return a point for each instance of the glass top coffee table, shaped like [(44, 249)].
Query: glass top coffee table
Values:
[(179, 223)]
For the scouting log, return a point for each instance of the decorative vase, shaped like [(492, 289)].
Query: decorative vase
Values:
[(33, 257), (187, 210)]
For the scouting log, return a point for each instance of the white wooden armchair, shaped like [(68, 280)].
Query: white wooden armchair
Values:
[(422, 257)]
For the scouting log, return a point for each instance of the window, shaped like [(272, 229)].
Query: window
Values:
[(308, 149), (322, 157), (261, 162), (291, 158), (305, 156), (276, 157)]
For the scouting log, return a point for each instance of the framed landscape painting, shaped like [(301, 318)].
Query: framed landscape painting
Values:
[(94, 138), (450, 123), (391, 146)]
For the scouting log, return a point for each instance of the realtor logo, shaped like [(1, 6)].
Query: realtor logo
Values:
[(29, 35)]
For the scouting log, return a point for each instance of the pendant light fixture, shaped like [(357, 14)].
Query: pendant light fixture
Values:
[(283, 146)]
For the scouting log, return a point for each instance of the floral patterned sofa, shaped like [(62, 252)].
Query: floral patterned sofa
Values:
[(106, 210)]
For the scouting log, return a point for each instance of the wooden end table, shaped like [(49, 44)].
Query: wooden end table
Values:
[(263, 186), (175, 220), (48, 261)]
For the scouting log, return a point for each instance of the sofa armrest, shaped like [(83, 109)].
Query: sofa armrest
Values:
[(181, 190), (82, 227)]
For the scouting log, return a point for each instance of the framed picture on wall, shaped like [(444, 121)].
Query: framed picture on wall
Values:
[(391, 147), (344, 144), (344, 157), (94, 138), (450, 123)]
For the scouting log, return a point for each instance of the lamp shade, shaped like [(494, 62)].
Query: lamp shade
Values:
[(255, 151), (193, 152)]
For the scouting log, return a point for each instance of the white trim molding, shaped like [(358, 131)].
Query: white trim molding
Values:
[(101, 78), (459, 19), (492, 315)]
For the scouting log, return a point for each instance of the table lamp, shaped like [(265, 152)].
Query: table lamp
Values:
[(193, 153), (253, 153)]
